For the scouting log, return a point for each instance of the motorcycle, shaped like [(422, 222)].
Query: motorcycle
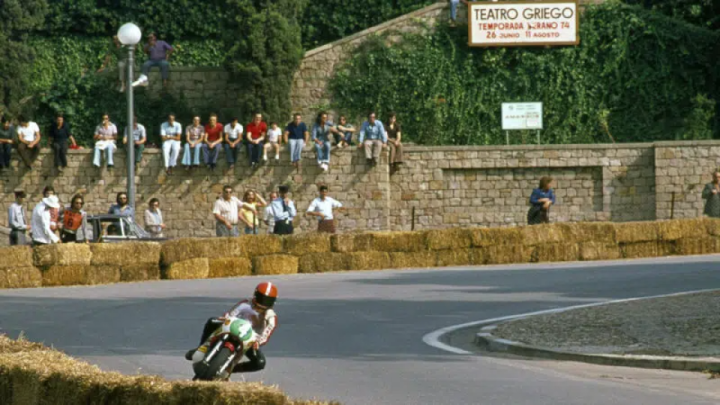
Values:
[(215, 359)]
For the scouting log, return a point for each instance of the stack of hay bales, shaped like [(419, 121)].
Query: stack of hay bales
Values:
[(17, 269), (685, 237), (550, 242), (70, 264), (637, 239), (135, 261), (597, 241), (454, 247), (502, 245)]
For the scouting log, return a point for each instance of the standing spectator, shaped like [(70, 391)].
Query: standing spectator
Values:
[(74, 221), (540, 200), (60, 134), (283, 209), (374, 130), (711, 193), (28, 136), (321, 137), (6, 142), (296, 136), (54, 212), (268, 218), (343, 137), (453, 10), (16, 220), (273, 141), (213, 142), (105, 135), (393, 137), (233, 141), (256, 131), (122, 207), (40, 222), (170, 133), (159, 55), (139, 138), (153, 219), (226, 211), (322, 208), (249, 216), (116, 51), (194, 136)]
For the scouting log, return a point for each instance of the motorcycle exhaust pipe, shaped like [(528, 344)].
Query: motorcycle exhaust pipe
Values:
[(215, 349)]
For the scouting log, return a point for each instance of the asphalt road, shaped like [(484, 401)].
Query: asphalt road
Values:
[(357, 337)]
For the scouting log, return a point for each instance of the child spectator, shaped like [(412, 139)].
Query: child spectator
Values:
[(273, 141)]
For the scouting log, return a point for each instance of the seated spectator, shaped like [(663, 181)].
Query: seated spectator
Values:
[(213, 142), (345, 131), (233, 141), (194, 136), (248, 213), (60, 134), (139, 138), (170, 133), (376, 140), (393, 136), (256, 131), (296, 136), (540, 201), (122, 208), (269, 218), (321, 137), (6, 142), (453, 10), (28, 137), (273, 141), (105, 135), (159, 55), (74, 221), (153, 219)]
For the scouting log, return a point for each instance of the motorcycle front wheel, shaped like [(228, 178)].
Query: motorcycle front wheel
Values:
[(213, 369)]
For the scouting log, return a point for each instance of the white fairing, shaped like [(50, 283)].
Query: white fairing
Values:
[(244, 331)]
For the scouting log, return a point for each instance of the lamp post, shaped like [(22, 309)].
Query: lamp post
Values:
[(129, 35)]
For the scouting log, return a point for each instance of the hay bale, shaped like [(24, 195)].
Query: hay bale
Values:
[(188, 269), (633, 232), (639, 249), (534, 235), (275, 264), (556, 252), (323, 262), (398, 241), (259, 245), (229, 267), (460, 257), (448, 239), (140, 272), (16, 256), (62, 254), (506, 254), (600, 232), (64, 275), (696, 246), (712, 226), (368, 260), (125, 254), (102, 275), (179, 250), (483, 237), (20, 277), (303, 244), (408, 260), (681, 228), (599, 251)]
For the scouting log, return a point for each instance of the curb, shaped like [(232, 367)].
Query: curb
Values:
[(487, 341)]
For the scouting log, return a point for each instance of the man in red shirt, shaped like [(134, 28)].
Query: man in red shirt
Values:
[(213, 142), (256, 131)]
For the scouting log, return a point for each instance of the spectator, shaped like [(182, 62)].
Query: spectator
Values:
[(139, 138), (256, 131), (60, 134), (283, 209), (6, 142), (153, 219), (159, 55), (321, 137), (273, 141), (105, 135), (268, 218), (711, 193), (213, 142), (393, 136), (540, 200), (16, 220), (116, 50), (376, 139), (122, 207), (296, 136), (28, 136), (74, 221), (453, 10), (54, 212), (40, 222), (170, 133), (344, 137), (233, 141), (226, 213), (322, 208), (249, 216), (194, 135)]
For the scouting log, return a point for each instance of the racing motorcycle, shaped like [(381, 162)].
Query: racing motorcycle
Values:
[(215, 359)]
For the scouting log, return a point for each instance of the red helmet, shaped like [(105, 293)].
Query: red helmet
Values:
[(265, 294)]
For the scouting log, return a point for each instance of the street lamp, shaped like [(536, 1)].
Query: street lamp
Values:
[(129, 35)]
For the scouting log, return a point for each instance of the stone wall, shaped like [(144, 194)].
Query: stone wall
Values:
[(199, 85)]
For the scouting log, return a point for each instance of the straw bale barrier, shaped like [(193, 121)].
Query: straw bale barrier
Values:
[(460, 257), (16, 256), (369, 261), (712, 226), (125, 254), (275, 264), (406, 260), (555, 252), (54, 276), (178, 250), (303, 244), (697, 246), (188, 269), (483, 237), (398, 241), (599, 251), (229, 267), (688, 228), (323, 262), (65, 254), (140, 272), (633, 232), (20, 277), (449, 239), (506, 254)]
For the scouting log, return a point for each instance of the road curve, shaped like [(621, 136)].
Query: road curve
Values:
[(357, 336)]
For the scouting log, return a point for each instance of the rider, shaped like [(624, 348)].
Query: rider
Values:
[(259, 312)]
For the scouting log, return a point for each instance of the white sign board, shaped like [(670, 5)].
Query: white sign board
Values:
[(522, 116), (519, 23)]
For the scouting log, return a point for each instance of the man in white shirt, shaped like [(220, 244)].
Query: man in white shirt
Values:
[(16, 220), (269, 218), (322, 208), (41, 232), (170, 133), (105, 135), (233, 141), (28, 134), (284, 212), (226, 213)]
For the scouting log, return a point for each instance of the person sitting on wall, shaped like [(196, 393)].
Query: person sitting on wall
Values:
[(194, 136), (159, 55), (344, 137), (105, 135), (540, 200), (372, 139)]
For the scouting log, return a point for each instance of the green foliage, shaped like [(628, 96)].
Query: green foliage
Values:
[(698, 123), (705, 13), (635, 77)]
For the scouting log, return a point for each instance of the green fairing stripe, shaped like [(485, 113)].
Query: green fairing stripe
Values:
[(235, 330)]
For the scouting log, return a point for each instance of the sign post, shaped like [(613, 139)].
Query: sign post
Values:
[(520, 116)]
